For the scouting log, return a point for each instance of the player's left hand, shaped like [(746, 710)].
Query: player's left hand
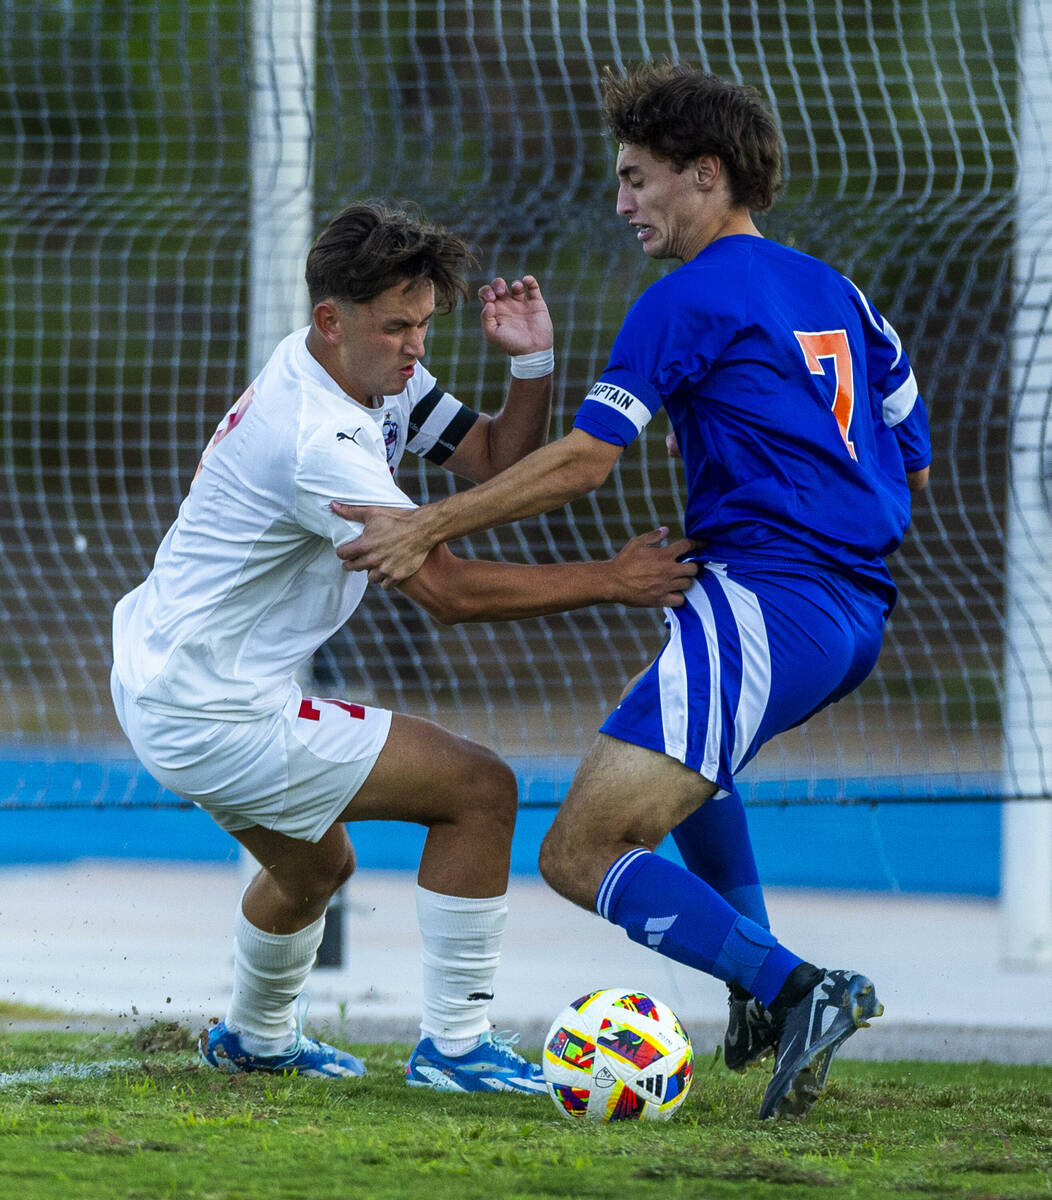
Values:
[(649, 573), (515, 317)]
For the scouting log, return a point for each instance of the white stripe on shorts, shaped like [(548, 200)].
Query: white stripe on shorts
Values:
[(699, 602), (672, 686), (756, 662)]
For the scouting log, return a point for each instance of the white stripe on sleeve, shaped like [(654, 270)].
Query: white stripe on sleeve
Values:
[(899, 405)]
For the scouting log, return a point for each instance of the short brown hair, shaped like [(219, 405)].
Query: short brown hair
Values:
[(679, 113), (367, 248)]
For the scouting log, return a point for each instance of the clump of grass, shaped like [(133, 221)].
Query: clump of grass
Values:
[(163, 1036)]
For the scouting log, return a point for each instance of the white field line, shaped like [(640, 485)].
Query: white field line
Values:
[(67, 1071)]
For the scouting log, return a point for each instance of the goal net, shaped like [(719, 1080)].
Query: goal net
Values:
[(164, 163)]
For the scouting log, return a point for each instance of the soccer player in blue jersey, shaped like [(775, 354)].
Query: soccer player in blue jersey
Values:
[(796, 413)]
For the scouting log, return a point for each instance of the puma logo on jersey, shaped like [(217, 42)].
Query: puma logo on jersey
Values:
[(348, 437)]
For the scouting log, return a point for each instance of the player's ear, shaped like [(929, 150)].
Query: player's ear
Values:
[(707, 169), (328, 320)]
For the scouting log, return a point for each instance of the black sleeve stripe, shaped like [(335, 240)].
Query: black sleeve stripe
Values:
[(451, 436), (422, 409), (437, 424)]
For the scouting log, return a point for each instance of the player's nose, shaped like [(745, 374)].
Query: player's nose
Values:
[(625, 207)]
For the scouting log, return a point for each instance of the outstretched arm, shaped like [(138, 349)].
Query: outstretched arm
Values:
[(395, 541), (515, 319), (643, 574)]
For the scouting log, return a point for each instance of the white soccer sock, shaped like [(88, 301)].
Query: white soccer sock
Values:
[(270, 971), (461, 951)]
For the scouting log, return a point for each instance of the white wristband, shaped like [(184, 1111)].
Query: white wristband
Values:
[(533, 366)]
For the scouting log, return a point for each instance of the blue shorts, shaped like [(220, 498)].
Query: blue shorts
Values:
[(751, 653)]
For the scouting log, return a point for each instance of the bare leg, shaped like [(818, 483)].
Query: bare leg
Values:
[(465, 794), (598, 854), (466, 797), (297, 878), (622, 797)]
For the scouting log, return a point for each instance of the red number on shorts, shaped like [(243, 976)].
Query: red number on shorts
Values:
[(309, 713), (833, 344)]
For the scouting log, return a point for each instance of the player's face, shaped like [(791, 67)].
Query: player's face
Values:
[(666, 207), (382, 341)]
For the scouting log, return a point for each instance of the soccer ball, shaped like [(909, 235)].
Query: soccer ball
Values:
[(617, 1055)]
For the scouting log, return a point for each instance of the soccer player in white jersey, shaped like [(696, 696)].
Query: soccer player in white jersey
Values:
[(797, 417), (246, 586)]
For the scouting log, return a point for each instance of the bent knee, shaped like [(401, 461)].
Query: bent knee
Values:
[(324, 877), (490, 788), (344, 870), (549, 863), (562, 870)]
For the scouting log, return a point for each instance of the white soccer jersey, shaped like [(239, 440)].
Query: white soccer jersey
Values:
[(246, 584)]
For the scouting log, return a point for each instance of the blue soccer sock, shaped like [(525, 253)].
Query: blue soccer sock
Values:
[(661, 905), (715, 845)]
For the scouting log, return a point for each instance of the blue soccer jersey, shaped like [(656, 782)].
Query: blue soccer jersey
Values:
[(793, 403)]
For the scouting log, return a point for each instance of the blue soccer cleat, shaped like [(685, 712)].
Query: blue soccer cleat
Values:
[(493, 1066), (221, 1048), (814, 1029)]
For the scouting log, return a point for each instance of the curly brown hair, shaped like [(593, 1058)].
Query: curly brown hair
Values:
[(679, 112), (367, 248)]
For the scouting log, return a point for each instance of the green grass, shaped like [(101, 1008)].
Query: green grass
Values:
[(12, 1011), (161, 1126)]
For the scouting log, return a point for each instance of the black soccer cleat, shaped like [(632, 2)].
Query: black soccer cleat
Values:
[(751, 1032), (813, 1031)]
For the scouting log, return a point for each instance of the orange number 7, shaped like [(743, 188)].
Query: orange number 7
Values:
[(833, 344)]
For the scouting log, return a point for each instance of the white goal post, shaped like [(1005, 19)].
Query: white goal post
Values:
[(1026, 848), (281, 226)]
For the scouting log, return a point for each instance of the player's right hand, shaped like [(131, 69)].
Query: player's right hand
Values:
[(514, 316), (649, 573)]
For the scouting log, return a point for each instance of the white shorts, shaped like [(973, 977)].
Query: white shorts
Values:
[(294, 771)]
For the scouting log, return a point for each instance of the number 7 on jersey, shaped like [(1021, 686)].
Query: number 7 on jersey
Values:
[(833, 343)]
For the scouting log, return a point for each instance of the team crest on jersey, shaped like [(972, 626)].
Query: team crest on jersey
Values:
[(390, 432)]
